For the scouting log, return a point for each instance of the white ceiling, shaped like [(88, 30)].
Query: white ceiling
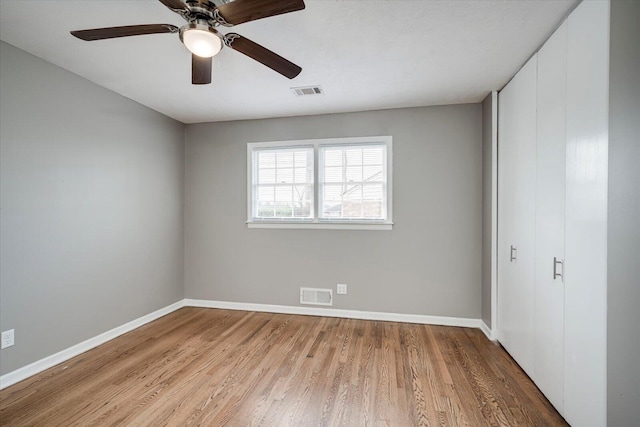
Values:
[(366, 55)]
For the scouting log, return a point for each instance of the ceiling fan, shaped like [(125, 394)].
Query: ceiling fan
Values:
[(202, 39)]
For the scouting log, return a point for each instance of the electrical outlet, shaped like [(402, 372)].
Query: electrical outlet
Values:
[(7, 338), (342, 289)]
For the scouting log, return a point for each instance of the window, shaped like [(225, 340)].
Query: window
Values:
[(329, 183), (283, 183), (352, 182)]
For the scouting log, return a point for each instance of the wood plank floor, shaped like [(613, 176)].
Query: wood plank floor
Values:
[(218, 367)]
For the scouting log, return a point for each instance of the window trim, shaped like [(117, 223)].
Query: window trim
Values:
[(316, 222)]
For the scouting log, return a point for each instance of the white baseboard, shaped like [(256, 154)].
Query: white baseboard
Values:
[(38, 366), (333, 312), (487, 331)]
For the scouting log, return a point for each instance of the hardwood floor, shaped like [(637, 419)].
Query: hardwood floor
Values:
[(219, 367)]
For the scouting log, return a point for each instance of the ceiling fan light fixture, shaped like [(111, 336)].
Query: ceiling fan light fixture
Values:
[(201, 40)]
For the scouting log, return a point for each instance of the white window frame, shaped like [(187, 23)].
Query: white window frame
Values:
[(315, 222)]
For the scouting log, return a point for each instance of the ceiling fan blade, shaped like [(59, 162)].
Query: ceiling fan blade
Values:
[(175, 5), (240, 11), (129, 30), (200, 70), (262, 55)]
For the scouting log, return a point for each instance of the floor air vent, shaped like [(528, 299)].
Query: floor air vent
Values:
[(316, 296)]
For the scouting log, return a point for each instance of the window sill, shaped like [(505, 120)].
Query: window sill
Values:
[(377, 226)]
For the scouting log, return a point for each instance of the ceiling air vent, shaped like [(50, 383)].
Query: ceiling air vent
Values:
[(307, 90), (315, 296)]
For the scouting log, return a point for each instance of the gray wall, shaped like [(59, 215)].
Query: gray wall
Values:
[(487, 201), (430, 263), (623, 346), (91, 195)]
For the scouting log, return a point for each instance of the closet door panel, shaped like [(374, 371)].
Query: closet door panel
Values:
[(586, 214), (507, 310), (550, 211), (516, 213)]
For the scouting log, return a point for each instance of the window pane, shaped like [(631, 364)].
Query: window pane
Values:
[(284, 176), (300, 159), (352, 209), (283, 194), (284, 210), (266, 193), (372, 210), (275, 194), (373, 173), (361, 171), (266, 176), (301, 193), (333, 174), (352, 192), (284, 159), (333, 192), (266, 159), (302, 211), (373, 156), (354, 173), (353, 156), (332, 157), (372, 192), (265, 210), (302, 175), (332, 209)]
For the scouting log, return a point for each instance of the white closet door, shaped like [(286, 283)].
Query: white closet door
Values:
[(516, 213), (550, 210), (586, 215)]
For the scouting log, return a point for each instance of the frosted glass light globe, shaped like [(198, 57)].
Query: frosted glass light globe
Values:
[(202, 42)]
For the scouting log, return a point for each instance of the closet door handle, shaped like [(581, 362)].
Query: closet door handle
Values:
[(513, 254), (557, 262)]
